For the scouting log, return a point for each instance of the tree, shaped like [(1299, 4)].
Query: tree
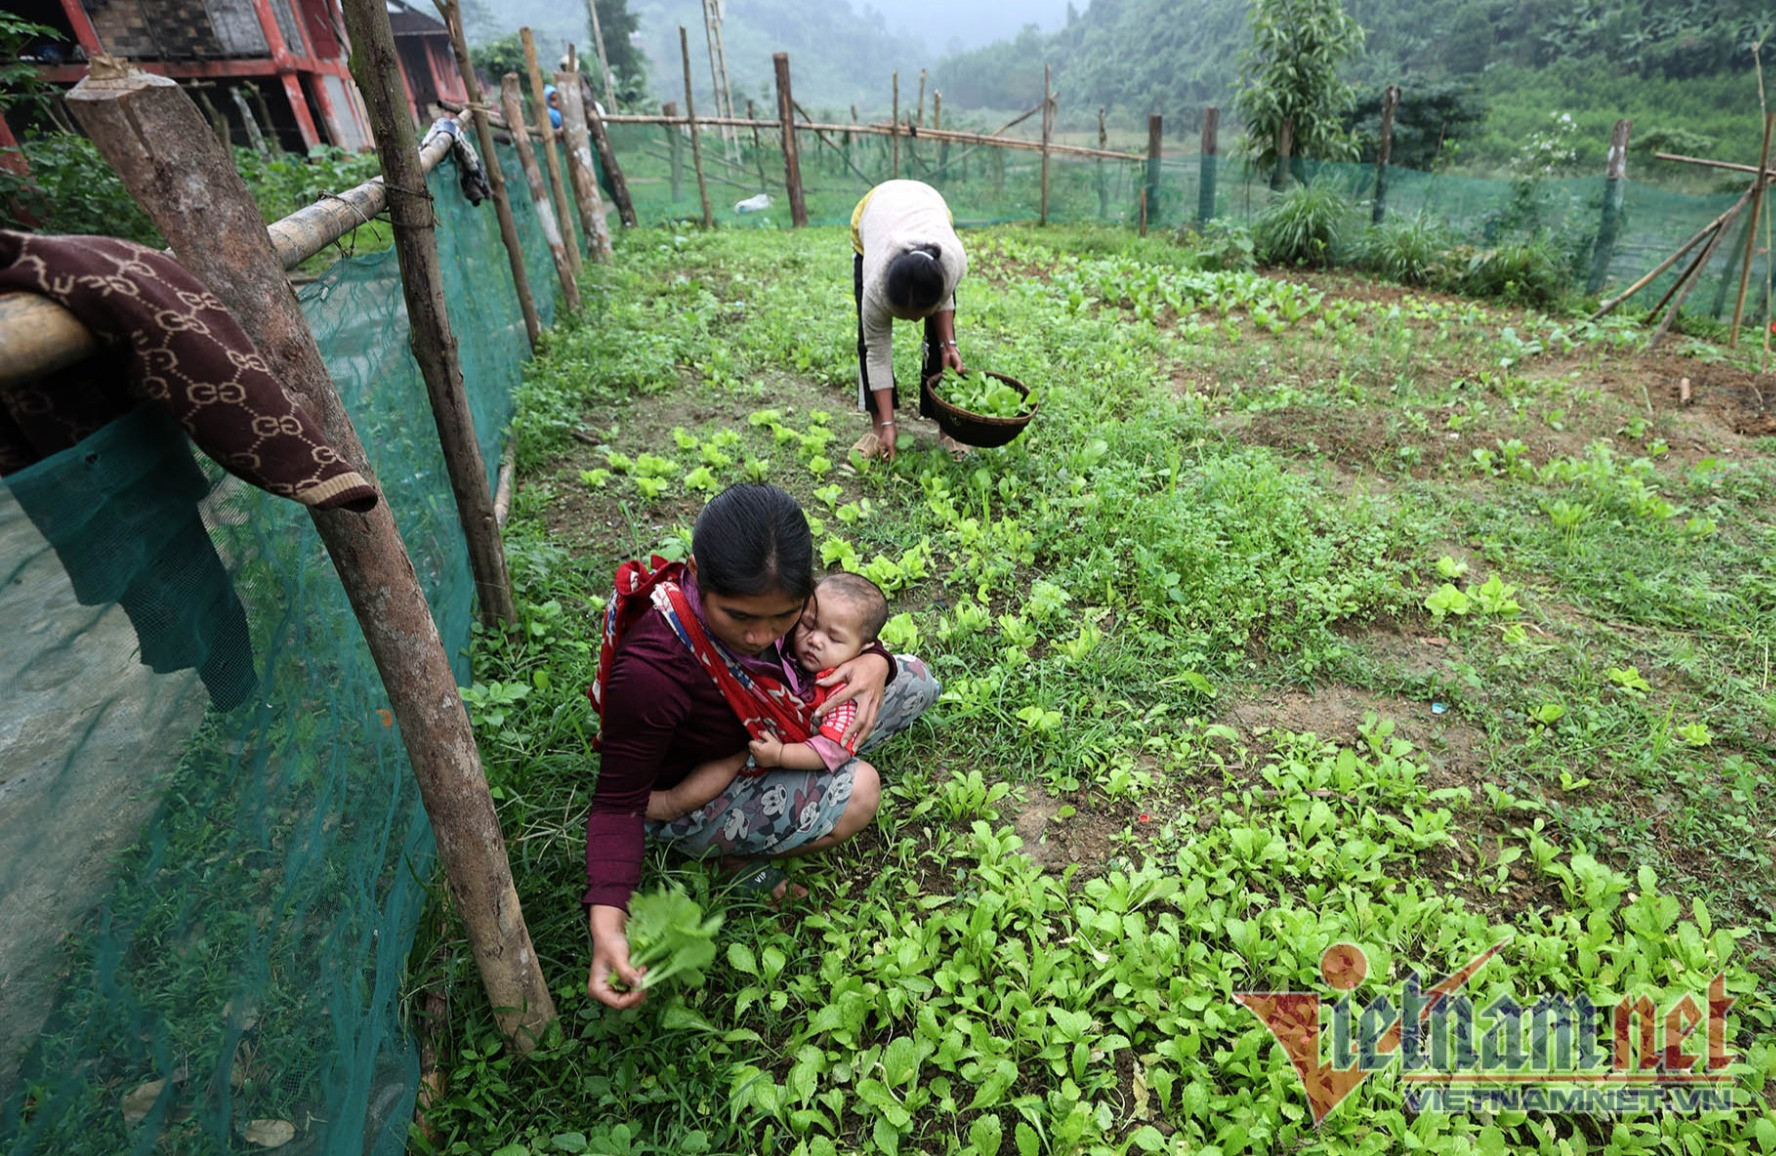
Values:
[(1290, 76)]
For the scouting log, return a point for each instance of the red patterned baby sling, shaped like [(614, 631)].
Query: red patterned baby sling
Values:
[(763, 705)]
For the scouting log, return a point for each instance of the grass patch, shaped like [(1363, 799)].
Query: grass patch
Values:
[(1226, 682)]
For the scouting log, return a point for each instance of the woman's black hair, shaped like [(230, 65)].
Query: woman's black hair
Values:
[(752, 540), (916, 280)]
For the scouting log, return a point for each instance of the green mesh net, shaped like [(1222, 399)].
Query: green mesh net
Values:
[(212, 852), (986, 185)]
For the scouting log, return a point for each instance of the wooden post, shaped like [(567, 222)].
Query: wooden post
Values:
[(848, 135), (792, 160), (943, 147), (919, 113), (546, 130), (715, 77), (758, 148), (513, 106), (1757, 201), (1390, 101), (684, 49), (608, 155), (153, 136), (1155, 139), (1103, 190), (376, 68), (610, 92), (1047, 132), (1285, 143), (1615, 178), (580, 170), (496, 179), (1207, 163), (894, 133), (670, 109)]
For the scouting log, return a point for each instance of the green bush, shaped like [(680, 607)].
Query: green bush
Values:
[(71, 190), (1302, 226), (1409, 250), (1221, 247), (1520, 272)]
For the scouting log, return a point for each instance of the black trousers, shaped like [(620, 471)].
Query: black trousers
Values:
[(931, 366)]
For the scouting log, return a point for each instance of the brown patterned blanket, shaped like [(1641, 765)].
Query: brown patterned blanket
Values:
[(172, 344)]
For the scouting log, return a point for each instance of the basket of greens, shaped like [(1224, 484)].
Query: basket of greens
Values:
[(979, 408)]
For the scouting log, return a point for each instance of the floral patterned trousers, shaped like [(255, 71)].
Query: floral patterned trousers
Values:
[(778, 811)]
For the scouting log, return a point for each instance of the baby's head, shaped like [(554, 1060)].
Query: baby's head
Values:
[(845, 615)]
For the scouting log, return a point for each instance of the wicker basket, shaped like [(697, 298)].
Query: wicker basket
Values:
[(974, 429)]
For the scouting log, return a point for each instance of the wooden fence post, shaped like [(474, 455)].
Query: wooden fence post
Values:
[(1758, 185), (1103, 189), (579, 168), (513, 107), (608, 155), (894, 133), (1390, 101), (673, 145), (1615, 174), (496, 178), (376, 68), (792, 160), (154, 137), (1047, 132), (943, 146), (684, 49), (1155, 143), (546, 130), (1207, 164)]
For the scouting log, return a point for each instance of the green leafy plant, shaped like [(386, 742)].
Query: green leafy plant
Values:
[(1302, 226), (980, 394), (669, 936)]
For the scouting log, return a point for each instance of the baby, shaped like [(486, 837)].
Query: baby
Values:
[(846, 614)]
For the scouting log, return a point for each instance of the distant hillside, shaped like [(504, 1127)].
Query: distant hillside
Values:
[(838, 56), (1664, 64)]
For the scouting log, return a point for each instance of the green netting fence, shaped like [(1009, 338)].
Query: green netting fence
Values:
[(987, 185), (205, 914)]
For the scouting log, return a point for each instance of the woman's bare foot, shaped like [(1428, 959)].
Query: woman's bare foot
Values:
[(953, 447)]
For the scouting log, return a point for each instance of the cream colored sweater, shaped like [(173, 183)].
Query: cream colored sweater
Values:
[(894, 217)]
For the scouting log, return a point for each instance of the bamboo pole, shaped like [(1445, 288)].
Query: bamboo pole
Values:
[(792, 160), (684, 49), (943, 148), (608, 155), (1691, 278), (715, 81), (1701, 235), (580, 171), (376, 68), (758, 148), (1390, 101), (1757, 201), (670, 108), (920, 116), (1208, 164), (546, 130), (152, 135), (610, 92), (894, 136), (539, 193), (1047, 133), (820, 135), (496, 178), (1769, 174)]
